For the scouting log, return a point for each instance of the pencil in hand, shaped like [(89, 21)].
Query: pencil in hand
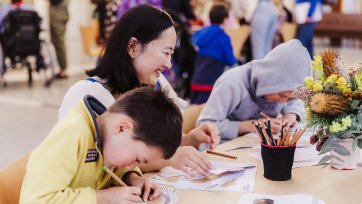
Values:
[(114, 176), (264, 115), (118, 180)]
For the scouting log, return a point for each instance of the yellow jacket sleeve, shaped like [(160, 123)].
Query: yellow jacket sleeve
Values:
[(53, 166)]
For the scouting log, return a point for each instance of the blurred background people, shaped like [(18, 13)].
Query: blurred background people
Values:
[(308, 13), (58, 18), (263, 19), (214, 52)]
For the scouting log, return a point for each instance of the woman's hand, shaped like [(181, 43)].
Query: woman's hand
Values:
[(205, 133), (150, 189), (191, 161)]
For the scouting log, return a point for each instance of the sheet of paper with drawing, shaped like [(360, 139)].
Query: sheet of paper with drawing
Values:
[(240, 175)]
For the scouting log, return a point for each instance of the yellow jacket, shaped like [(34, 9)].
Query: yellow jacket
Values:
[(67, 166)]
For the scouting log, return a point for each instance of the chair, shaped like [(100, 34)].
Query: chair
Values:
[(238, 37), (89, 36), (190, 116), (11, 179)]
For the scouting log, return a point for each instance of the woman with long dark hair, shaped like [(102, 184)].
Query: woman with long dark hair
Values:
[(138, 51)]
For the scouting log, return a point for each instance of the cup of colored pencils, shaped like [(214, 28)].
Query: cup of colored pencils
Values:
[(277, 153)]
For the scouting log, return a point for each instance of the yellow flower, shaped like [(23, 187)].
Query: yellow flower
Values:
[(345, 123), (345, 90), (309, 82), (317, 66), (341, 81), (317, 87), (333, 78)]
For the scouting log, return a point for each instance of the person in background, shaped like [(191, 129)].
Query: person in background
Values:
[(136, 56), (181, 7), (265, 85), (4, 11), (67, 166), (263, 18), (100, 14), (214, 52), (308, 13), (58, 18), (15, 4)]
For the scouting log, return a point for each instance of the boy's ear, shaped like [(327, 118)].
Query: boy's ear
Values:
[(125, 125), (134, 47)]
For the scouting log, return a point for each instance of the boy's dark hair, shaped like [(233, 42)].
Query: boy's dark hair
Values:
[(157, 119), (144, 22), (218, 13)]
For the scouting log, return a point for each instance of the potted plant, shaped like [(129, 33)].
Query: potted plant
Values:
[(333, 102)]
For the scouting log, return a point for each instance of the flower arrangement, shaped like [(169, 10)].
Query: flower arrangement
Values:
[(333, 104)]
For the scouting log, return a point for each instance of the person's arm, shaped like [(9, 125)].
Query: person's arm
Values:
[(53, 165), (205, 133), (224, 99), (227, 50), (313, 5), (246, 127), (184, 159), (293, 111), (166, 86)]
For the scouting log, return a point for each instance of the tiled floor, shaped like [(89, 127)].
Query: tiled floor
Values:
[(28, 114)]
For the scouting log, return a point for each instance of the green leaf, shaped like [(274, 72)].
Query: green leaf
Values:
[(354, 144), (359, 117), (324, 159), (348, 134), (335, 157), (341, 150), (327, 146), (359, 144), (354, 85)]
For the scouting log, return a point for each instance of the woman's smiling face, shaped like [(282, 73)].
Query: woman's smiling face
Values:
[(153, 58)]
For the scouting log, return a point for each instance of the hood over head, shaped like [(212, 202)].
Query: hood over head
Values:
[(282, 69)]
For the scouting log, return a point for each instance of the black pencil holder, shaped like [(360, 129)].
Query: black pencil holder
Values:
[(278, 162)]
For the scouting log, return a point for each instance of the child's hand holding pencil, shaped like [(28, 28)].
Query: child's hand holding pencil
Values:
[(140, 187)]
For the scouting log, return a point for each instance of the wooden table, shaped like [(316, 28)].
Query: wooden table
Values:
[(331, 185)]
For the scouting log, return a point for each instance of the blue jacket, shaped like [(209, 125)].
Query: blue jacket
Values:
[(213, 41)]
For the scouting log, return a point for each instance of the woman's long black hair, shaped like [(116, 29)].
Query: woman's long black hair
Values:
[(145, 23)]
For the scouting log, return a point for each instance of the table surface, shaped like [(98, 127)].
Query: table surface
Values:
[(329, 184)]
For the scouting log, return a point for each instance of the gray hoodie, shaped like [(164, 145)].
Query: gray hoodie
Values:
[(238, 95)]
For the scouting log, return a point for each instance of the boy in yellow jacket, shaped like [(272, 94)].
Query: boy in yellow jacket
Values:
[(141, 126)]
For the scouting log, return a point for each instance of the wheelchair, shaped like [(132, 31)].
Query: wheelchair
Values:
[(21, 47)]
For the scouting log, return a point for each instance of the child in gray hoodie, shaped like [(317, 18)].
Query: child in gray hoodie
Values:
[(265, 85)]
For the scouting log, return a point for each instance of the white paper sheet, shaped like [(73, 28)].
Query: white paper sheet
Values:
[(169, 195), (279, 199), (243, 180), (219, 167)]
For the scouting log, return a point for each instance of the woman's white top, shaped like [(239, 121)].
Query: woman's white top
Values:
[(100, 92)]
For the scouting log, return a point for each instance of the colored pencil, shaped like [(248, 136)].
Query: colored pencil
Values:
[(221, 154)]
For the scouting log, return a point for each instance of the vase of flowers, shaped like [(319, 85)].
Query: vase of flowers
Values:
[(334, 109)]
